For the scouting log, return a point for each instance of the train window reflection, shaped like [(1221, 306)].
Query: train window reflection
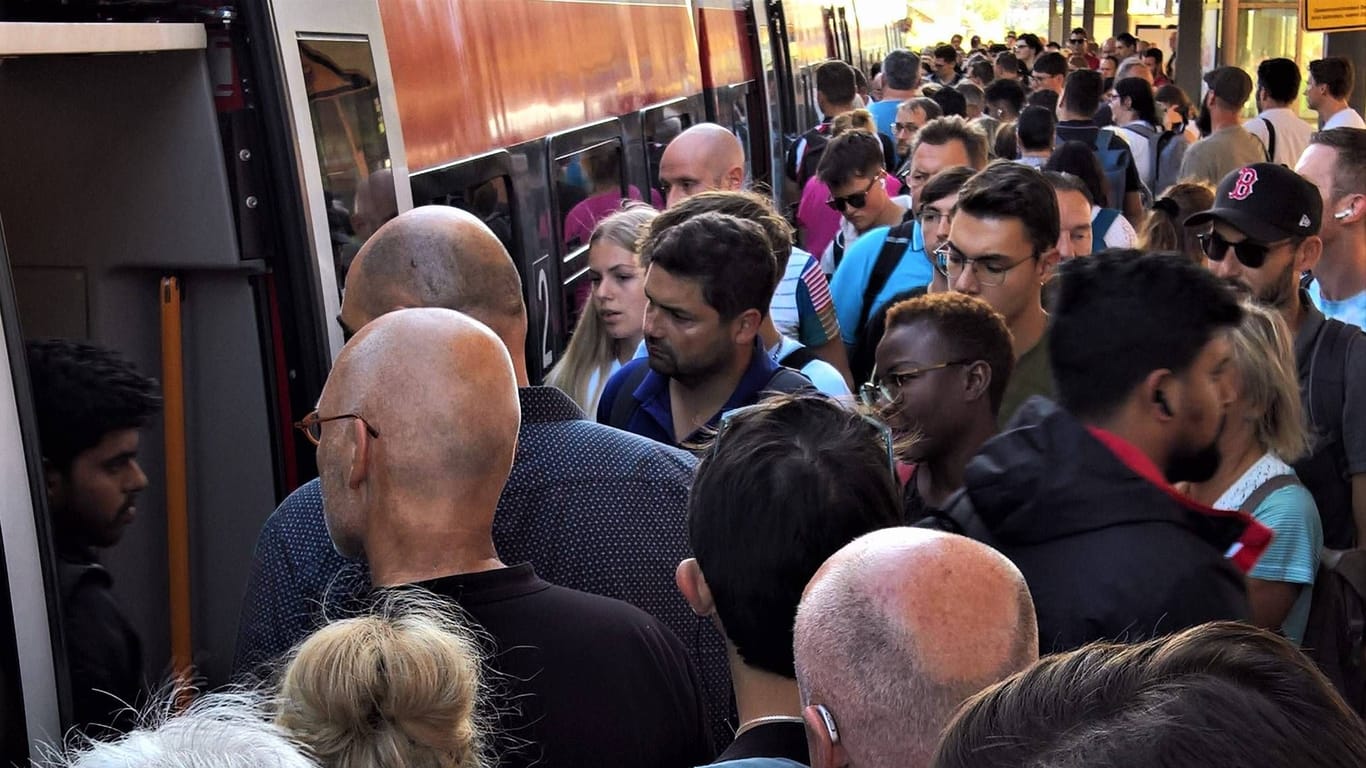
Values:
[(661, 125), (491, 201), (590, 185), (353, 151)]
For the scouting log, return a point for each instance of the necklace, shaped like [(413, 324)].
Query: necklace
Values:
[(749, 724)]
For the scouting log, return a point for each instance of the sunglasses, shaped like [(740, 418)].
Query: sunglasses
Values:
[(1077, 40), (857, 200), (1249, 254)]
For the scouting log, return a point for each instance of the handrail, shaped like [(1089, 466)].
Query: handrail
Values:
[(177, 504)]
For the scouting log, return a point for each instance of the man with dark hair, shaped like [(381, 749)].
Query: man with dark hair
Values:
[(982, 73), (1079, 42), (1266, 222), (1126, 45), (91, 406), (783, 486), (1221, 695), (708, 283), (1027, 48), (911, 116), (942, 369), (835, 95), (1007, 67), (1278, 125), (852, 170), (1076, 110), (945, 66), (1078, 494), (901, 81), (951, 102), (1330, 86), (1001, 248), (1035, 134), (1049, 71), (885, 262), (1152, 59), (1335, 161), (1227, 145), (1005, 99), (1075, 237)]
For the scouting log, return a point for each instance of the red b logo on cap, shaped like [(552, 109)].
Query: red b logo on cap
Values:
[(1247, 177)]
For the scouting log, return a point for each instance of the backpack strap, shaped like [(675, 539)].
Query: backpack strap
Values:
[(1328, 393), (1104, 220), (893, 248), (1270, 140), (798, 358), (624, 408), (959, 515), (1266, 489), (1350, 565), (787, 381)]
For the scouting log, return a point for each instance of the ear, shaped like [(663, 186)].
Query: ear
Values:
[(825, 749), (978, 381), (1158, 395), (360, 455), (55, 482), (734, 179), (1307, 257), (690, 581), (1356, 210), (1048, 261), (746, 326)]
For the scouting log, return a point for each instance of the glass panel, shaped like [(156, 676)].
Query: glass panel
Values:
[(661, 126), (1264, 33), (353, 151), (1311, 48), (491, 201)]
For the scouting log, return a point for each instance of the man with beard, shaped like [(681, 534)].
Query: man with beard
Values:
[(942, 368), (1266, 221), (1079, 495), (708, 283), (91, 405), (1227, 144)]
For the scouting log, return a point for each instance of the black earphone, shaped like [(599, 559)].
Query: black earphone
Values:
[(1161, 401)]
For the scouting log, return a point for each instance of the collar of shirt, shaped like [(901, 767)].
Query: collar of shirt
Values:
[(541, 405), (487, 586), (653, 392), (1255, 537)]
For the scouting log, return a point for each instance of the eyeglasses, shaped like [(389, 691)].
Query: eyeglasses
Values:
[(1077, 40), (858, 199), (951, 262), (874, 394), (1039, 78), (930, 217), (1249, 254), (908, 127), (884, 431), (312, 426)]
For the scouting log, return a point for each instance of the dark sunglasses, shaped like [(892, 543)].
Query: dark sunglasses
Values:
[(1249, 254), (857, 200), (1077, 40)]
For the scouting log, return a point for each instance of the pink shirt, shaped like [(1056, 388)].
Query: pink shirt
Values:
[(816, 220)]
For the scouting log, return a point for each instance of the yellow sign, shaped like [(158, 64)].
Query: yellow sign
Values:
[(1333, 15)]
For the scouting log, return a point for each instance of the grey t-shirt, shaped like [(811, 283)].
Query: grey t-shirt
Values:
[(1227, 149)]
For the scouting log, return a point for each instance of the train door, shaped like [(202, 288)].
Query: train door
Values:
[(30, 638)]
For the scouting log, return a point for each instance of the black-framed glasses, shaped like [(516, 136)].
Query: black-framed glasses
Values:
[(988, 270), (312, 425), (884, 431), (857, 200), (875, 394), (930, 217), (899, 127), (1249, 254)]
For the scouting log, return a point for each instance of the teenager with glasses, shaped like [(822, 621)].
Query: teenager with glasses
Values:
[(1265, 234), (942, 370), (852, 170), (1001, 248)]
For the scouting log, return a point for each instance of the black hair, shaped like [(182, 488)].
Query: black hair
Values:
[(730, 257), (1051, 63), (1008, 92), (951, 102), (1280, 78), (1035, 129), (1043, 97), (1121, 314), (947, 182), (946, 53), (983, 70), (1220, 694), (1082, 90), (1080, 160), (1155, 54), (1006, 146), (836, 82), (1032, 40), (81, 393), (742, 204), (1140, 95), (970, 327), (781, 489), (849, 155), (1128, 39), (1066, 182), (901, 70), (1008, 190)]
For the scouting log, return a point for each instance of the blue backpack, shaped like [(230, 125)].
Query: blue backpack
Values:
[(1116, 164)]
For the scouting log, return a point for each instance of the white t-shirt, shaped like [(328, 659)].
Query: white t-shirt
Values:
[(1121, 233), (1292, 134), (848, 235), (1347, 118)]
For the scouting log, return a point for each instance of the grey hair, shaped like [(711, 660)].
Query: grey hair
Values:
[(219, 730)]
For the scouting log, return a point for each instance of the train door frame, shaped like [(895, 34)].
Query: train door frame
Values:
[(323, 20), (31, 639)]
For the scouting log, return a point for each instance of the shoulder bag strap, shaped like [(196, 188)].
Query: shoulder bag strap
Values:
[(1266, 489)]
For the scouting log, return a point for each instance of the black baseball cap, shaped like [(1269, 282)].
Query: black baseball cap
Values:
[(1267, 202)]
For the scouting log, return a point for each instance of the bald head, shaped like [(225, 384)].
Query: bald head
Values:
[(900, 627), (438, 256), (439, 390), (702, 158)]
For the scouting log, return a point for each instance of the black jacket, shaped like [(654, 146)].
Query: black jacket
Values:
[(1108, 555)]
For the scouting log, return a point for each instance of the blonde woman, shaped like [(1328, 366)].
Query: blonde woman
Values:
[(1263, 431), (395, 689), (610, 328)]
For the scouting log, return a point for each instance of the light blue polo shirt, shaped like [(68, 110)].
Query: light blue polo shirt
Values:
[(851, 278)]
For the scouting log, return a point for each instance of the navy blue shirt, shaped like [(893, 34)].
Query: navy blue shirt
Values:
[(592, 508), (653, 415)]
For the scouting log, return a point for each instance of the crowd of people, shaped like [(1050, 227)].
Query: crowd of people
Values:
[(1034, 434)]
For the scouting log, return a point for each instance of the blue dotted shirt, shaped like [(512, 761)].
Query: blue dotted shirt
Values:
[(591, 507)]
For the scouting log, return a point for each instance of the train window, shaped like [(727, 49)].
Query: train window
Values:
[(353, 151), (589, 185), (661, 125), (491, 200)]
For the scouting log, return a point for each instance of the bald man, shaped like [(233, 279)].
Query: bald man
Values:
[(416, 432), (894, 632), (592, 508), (708, 157)]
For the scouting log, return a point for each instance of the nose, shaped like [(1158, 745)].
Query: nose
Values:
[(674, 197), (966, 282), (1227, 268), (601, 291), (647, 327), (137, 479), (941, 230), (1065, 246)]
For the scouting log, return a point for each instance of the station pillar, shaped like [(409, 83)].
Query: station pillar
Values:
[(1189, 34), (1350, 45)]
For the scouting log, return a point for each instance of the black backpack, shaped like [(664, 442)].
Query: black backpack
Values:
[(1335, 635), (894, 248)]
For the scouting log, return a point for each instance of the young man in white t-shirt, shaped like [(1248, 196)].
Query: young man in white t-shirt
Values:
[(1330, 83)]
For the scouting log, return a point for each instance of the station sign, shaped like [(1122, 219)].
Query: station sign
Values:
[(1332, 15)]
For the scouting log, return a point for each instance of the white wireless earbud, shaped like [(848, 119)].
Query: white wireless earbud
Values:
[(1340, 215)]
